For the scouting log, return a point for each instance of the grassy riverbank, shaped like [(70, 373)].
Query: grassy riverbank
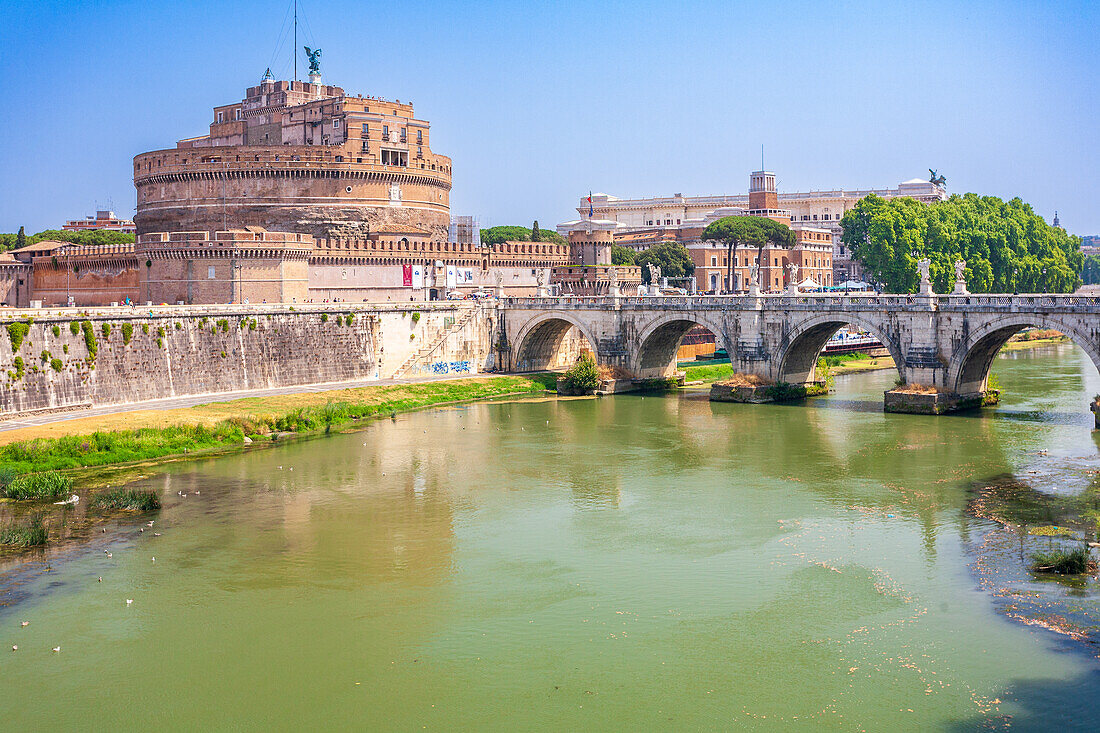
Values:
[(157, 434)]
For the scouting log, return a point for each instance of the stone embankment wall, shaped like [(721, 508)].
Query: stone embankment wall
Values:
[(67, 358)]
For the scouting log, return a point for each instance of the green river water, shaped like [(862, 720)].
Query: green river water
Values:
[(626, 563)]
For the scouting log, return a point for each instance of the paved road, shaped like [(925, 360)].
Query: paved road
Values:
[(172, 403)]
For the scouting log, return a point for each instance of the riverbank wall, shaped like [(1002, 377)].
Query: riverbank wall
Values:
[(62, 359)]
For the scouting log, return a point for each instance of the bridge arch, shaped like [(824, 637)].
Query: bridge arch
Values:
[(659, 341), (798, 359), (541, 344), (968, 372)]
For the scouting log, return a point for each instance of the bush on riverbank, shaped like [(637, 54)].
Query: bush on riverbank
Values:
[(134, 499), (1061, 562), (584, 376), (33, 534), (49, 486)]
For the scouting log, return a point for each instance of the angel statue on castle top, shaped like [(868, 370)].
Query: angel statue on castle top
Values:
[(314, 60)]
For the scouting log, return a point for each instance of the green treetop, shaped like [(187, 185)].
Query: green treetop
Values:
[(746, 231), (621, 255), (672, 257), (496, 235), (1006, 246)]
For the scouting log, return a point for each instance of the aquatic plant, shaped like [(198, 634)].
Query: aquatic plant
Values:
[(48, 486), (142, 500), (33, 534), (1062, 562)]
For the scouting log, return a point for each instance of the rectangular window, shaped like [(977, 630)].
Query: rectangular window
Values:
[(419, 152), (238, 112), (336, 123), (366, 129), (385, 132), (210, 273), (404, 135), (221, 117), (714, 261), (419, 137)]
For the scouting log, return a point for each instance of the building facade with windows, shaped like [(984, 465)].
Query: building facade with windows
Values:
[(299, 157), (811, 209), (812, 253), (102, 220)]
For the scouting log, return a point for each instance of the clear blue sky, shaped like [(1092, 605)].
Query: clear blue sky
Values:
[(539, 102)]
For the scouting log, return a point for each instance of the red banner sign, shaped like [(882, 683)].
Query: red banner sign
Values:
[(407, 275)]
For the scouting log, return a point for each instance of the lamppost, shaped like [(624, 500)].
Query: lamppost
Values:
[(1015, 289)]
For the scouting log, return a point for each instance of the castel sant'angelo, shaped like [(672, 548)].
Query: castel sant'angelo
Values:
[(299, 157), (299, 192)]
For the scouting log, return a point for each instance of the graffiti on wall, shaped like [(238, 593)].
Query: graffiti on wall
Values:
[(447, 367)]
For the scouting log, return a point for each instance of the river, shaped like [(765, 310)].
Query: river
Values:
[(659, 562)]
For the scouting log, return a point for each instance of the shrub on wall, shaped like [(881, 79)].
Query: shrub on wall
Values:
[(324, 318), (127, 332), (56, 364), (415, 316), (106, 328), (45, 356), (223, 324), (56, 330), (65, 348), (145, 328), (89, 341), (74, 327), (351, 317), (16, 333), (160, 332), (19, 366)]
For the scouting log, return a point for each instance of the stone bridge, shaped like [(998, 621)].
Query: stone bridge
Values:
[(942, 341)]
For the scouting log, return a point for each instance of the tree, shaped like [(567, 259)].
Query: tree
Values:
[(496, 235), (672, 257), (621, 255), (1005, 245), (535, 233), (1090, 274), (21, 239), (747, 231)]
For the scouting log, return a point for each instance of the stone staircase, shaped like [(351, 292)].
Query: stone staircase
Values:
[(435, 343)]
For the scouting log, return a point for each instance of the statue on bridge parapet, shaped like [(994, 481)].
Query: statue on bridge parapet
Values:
[(654, 279), (540, 282), (613, 281), (792, 283), (960, 278), (924, 267), (754, 280), (499, 274)]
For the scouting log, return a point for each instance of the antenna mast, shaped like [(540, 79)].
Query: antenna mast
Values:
[(294, 49)]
